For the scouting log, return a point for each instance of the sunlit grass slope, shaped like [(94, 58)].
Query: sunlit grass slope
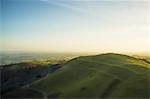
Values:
[(97, 77), (137, 86)]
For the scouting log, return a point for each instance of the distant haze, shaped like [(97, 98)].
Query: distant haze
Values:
[(75, 26)]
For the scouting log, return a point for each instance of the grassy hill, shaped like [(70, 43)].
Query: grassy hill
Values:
[(100, 76)]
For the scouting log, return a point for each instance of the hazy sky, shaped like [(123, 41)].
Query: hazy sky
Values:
[(75, 25)]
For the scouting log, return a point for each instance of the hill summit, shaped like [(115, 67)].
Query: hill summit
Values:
[(100, 76)]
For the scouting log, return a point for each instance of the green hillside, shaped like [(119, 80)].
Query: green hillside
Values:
[(100, 76), (139, 85)]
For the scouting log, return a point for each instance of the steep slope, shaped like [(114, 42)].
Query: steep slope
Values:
[(92, 76), (139, 85), (16, 76)]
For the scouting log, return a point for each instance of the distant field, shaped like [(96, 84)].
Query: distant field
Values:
[(14, 57), (18, 57)]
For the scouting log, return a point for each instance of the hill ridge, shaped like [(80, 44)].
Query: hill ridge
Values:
[(93, 76)]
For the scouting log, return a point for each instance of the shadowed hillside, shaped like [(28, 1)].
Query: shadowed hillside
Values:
[(100, 76), (16, 77)]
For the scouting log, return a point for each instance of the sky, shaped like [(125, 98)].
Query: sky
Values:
[(89, 26)]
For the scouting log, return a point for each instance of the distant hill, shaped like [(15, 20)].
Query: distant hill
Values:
[(101, 76)]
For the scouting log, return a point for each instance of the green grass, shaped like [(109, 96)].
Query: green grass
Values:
[(95, 77), (135, 87)]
